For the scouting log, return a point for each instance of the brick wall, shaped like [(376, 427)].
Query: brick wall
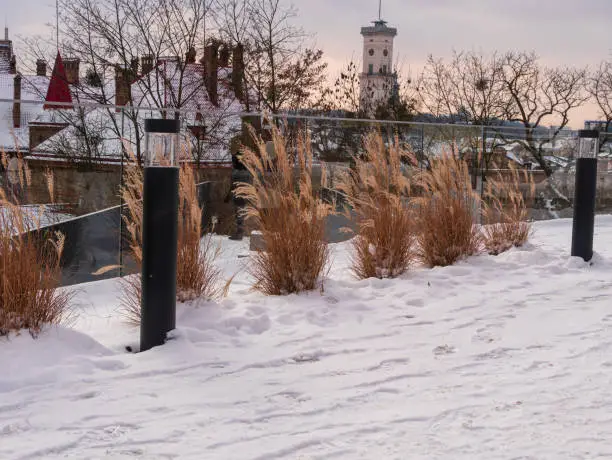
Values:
[(39, 133), (86, 191)]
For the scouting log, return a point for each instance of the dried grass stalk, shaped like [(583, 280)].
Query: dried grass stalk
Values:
[(289, 214), (446, 232), (376, 191), (505, 210), (197, 276), (30, 271)]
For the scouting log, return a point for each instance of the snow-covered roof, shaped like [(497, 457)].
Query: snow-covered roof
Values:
[(514, 157), (167, 85), (32, 88)]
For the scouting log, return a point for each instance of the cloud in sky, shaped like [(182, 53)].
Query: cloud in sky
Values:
[(561, 32)]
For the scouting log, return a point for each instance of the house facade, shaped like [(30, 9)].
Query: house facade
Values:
[(107, 118)]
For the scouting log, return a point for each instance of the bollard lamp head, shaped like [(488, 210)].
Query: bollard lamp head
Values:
[(588, 143), (161, 141)]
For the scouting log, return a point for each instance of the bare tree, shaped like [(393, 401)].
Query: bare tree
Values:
[(281, 71), (600, 88), (538, 97), (144, 52), (468, 88), (347, 95)]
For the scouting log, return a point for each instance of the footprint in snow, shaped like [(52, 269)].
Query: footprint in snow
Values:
[(443, 350), (305, 358)]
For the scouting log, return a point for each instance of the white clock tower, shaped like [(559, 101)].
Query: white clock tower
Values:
[(377, 78)]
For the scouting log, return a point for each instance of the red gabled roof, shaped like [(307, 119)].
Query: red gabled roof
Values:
[(58, 91)]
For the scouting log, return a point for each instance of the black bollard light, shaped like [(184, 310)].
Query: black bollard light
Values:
[(584, 194), (159, 232)]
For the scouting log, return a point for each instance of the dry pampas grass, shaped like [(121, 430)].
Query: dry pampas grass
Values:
[(376, 190), (197, 276), (30, 272), (290, 216), (446, 232), (505, 210)]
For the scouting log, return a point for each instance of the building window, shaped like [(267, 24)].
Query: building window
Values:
[(384, 70), (370, 69), (385, 53), (371, 52)]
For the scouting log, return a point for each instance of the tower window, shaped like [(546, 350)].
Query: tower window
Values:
[(385, 53), (370, 69), (371, 52), (384, 69)]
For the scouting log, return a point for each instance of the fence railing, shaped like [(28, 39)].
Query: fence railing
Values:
[(77, 160)]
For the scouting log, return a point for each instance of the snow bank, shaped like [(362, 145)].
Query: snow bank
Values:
[(494, 358), (58, 354)]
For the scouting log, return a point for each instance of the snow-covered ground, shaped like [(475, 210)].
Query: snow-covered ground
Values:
[(496, 358)]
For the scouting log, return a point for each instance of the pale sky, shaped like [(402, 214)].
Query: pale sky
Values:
[(561, 32)]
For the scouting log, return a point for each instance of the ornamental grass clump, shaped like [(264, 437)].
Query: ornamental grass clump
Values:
[(30, 271), (197, 275), (377, 191), (283, 206), (505, 210), (446, 232)]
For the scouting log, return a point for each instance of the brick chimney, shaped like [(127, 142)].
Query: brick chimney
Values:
[(17, 105), (71, 65), (224, 56), (146, 64), (6, 53), (211, 66), (123, 91), (41, 68), (238, 71), (190, 56), (134, 67)]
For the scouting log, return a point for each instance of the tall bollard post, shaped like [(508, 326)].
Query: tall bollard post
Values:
[(159, 232), (584, 194)]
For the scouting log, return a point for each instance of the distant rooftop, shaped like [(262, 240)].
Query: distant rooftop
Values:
[(380, 27)]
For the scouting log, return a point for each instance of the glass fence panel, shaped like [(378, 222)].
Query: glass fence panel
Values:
[(70, 164)]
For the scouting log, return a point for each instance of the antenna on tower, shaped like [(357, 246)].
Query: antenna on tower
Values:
[(380, 10), (57, 23)]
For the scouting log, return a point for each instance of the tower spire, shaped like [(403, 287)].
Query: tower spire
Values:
[(380, 10), (57, 24)]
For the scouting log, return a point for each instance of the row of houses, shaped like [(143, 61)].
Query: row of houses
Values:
[(72, 114)]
